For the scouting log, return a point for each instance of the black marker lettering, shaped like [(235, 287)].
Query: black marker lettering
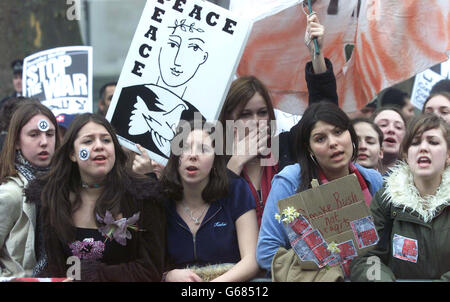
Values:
[(177, 5), (197, 10), (152, 31), (227, 27), (210, 16), (137, 68), (142, 50), (156, 15)]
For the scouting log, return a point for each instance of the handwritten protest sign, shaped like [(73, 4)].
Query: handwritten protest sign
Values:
[(180, 62), (61, 78), (336, 213)]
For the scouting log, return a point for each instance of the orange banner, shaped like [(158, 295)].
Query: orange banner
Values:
[(393, 40)]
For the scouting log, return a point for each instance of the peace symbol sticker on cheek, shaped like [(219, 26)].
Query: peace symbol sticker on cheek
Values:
[(43, 125), (83, 154)]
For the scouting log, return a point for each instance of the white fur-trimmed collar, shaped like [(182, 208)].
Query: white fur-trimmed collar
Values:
[(402, 193)]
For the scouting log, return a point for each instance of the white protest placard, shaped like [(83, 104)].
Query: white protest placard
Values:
[(285, 121), (61, 78), (181, 61), (423, 83)]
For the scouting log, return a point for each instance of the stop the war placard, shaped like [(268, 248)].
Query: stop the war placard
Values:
[(181, 61), (61, 78)]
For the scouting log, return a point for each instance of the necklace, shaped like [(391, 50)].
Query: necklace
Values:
[(196, 220), (92, 186)]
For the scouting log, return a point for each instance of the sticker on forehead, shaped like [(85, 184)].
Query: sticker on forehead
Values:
[(43, 125), (83, 154)]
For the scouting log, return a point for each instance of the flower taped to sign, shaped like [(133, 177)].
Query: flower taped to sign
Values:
[(329, 224)]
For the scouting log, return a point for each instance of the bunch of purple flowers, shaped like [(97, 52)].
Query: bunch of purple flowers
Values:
[(118, 229)]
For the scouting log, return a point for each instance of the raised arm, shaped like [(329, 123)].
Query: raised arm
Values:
[(319, 74), (315, 30)]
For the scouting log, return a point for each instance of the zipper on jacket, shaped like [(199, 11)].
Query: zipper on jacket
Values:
[(195, 247), (203, 223), (194, 235), (193, 239)]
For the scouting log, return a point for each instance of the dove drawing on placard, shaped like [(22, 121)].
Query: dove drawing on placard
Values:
[(161, 123)]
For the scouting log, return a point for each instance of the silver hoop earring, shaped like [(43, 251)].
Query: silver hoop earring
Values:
[(313, 159)]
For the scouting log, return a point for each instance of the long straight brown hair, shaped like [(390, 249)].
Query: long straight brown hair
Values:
[(64, 178), (21, 116), (239, 94), (217, 186)]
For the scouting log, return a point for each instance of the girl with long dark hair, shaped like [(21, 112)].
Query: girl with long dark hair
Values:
[(211, 213), (326, 145), (95, 209), (249, 101)]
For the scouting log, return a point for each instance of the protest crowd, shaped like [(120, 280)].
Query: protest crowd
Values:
[(77, 205)]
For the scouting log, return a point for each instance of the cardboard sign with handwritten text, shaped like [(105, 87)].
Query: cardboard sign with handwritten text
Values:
[(61, 78), (338, 210)]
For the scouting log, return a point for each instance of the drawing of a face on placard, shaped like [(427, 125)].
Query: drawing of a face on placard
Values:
[(156, 109), (181, 57), (179, 66)]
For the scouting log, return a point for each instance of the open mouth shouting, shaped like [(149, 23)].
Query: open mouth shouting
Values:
[(192, 170), (423, 162), (43, 155), (337, 156), (390, 140), (100, 159)]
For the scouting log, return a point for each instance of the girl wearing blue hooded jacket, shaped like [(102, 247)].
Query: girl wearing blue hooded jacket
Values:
[(326, 145), (212, 228)]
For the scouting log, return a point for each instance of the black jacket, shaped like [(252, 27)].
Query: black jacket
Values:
[(147, 260)]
